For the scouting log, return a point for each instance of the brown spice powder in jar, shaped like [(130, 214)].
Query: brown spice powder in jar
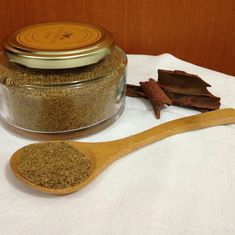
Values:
[(61, 100)]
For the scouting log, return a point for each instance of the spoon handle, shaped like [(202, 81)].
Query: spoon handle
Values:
[(198, 121)]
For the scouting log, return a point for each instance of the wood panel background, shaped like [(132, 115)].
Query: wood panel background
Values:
[(199, 31)]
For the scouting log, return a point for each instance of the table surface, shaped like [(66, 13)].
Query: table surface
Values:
[(184, 184)]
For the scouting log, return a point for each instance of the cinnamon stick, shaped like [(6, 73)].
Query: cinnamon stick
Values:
[(156, 95), (135, 91), (200, 103), (181, 82), (178, 88)]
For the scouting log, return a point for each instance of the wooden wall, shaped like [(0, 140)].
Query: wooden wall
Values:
[(199, 31)]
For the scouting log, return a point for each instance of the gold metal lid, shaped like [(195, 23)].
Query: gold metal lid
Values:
[(58, 45)]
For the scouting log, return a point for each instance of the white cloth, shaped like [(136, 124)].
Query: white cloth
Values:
[(184, 184)]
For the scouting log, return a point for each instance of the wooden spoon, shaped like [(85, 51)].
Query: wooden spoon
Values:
[(102, 154)]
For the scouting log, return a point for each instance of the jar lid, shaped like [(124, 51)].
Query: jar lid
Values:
[(58, 45)]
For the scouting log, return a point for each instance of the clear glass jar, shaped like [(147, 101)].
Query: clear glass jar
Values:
[(80, 99)]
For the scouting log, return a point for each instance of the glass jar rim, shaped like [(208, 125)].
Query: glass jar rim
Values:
[(75, 83)]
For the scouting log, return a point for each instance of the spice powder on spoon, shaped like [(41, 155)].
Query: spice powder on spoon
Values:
[(53, 165)]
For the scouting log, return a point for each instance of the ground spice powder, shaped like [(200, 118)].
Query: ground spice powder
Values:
[(54, 165), (66, 99)]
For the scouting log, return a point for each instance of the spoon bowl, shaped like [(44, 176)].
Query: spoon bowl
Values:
[(102, 154)]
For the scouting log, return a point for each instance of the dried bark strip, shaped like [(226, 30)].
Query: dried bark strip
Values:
[(183, 89), (199, 102), (135, 91), (156, 95), (181, 82)]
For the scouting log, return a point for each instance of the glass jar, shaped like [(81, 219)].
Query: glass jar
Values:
[(62, 77)]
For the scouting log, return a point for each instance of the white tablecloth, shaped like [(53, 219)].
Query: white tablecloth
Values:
[(184, 184)]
